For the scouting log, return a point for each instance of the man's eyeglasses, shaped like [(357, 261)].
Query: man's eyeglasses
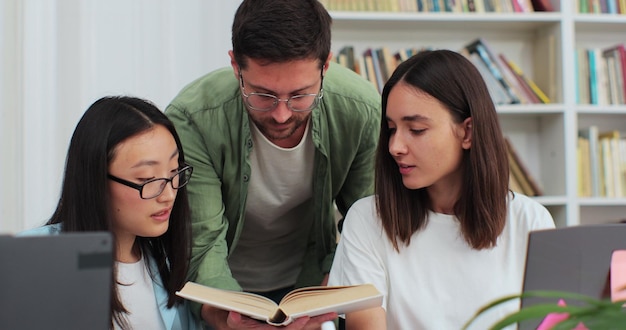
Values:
[(154, 187), (296, 103)]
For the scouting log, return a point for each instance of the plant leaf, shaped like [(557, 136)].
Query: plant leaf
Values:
[(589, 313), (534, 312)]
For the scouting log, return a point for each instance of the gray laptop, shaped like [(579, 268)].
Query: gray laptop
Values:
[(575, 259), (55, 281)]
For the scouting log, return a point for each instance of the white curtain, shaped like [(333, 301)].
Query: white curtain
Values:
[(59, 56)]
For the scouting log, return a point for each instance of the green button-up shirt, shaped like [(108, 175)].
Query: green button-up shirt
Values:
[(213, 125)]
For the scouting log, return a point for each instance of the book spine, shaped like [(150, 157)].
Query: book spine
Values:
[(591, 134), (525, 92), (622, 56), (584, 88), (491, 61), (377, 70), (525, 178), (497, 92), (593, 77)]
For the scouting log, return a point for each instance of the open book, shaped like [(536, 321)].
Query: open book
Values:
[(309, 301)]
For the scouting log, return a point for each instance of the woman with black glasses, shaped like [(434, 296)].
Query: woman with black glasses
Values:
[(125, 173)]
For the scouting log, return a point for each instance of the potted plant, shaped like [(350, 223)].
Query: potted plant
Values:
[(583, 312)]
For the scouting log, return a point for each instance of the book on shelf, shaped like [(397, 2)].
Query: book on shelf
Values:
[(309, 301), (611, 162), (591, 134), (582, 6), (525, 92), (493, 6), (522, 6), (583, 94), (584, 170), (614, 86), (346, 58), (360, 65), (370, 72), (507, 6), (602, 77), (514, 183), (622, 165), (479, 6), (388, 61), (488, 56), (616, 70), (527, 82), (434, 5), (522, 175), (606, 174), (542, 5), (376, 72), (382, 65), (459, 6), (497, 92), (402, 55), (595, 76)]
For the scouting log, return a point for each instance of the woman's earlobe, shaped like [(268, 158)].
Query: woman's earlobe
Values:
[(469, 133)]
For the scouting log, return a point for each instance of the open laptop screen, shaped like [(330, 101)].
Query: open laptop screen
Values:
[(55, 281), (574, 259)]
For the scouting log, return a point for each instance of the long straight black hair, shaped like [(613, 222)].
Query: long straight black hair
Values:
[(84, 204)]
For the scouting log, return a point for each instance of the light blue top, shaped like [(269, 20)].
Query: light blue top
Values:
[(178, 317)]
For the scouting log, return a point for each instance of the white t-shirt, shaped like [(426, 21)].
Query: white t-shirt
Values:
[(136, 292), (437, 282), (273, 241)]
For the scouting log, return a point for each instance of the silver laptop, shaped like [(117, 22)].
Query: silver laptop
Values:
[(575, 259), (56, 281)]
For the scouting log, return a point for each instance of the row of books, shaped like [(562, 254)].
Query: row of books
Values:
[(507, 83), (520, 178), (601, 163), (601, 6), (452, 6), (601, 75)]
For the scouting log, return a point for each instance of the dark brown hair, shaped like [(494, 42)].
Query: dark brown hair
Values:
[(482, 206), (277, 31)]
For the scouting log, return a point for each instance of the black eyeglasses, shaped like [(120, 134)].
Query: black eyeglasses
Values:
[(154, 187), (296, 103)]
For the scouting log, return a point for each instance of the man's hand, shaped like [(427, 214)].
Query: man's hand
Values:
[(241, 322)]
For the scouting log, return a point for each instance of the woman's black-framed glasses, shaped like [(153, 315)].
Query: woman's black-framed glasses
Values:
[(154, 187)]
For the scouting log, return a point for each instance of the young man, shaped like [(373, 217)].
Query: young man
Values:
[(274, 141)]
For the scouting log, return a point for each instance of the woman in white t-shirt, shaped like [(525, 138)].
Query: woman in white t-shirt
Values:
[(125, 173), (443, 235)]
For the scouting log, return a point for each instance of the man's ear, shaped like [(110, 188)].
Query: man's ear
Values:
[(234, 64), (327, 63), (467, 133)]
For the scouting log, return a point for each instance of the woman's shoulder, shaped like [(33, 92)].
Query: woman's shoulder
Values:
[(362, 214), (52, 229), (523, 209), (364, 204)]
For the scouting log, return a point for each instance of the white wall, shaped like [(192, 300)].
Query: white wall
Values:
[(59, 56)]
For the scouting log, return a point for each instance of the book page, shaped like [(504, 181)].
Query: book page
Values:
[(311, 301), (320, 300), (249, 304)]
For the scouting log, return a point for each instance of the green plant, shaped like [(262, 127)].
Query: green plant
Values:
[(595, 314)]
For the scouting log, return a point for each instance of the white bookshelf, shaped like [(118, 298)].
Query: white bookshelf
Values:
[(542, 44)]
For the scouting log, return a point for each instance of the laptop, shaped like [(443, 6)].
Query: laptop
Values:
[(56, 281), (575, 259)]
